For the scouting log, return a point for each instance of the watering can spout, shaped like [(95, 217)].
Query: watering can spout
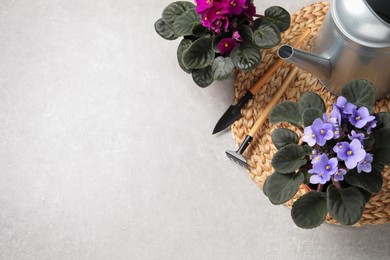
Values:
[(315, 64)]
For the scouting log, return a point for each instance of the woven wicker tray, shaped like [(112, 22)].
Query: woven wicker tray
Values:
[(261, 150)]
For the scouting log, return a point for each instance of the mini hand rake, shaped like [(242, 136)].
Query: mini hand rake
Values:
[(237, 156)]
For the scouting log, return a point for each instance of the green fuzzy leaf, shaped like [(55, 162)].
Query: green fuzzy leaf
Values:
[(203, 77), (164, 30), (307, 149), (175, 9), (222, 68), (278, 16), (345, 205), (283, 136), (246, 33), (371, 181), (199, 54), (360, 92), (309, 100), (366, 194), (287, 111), (383, 119), (245, 57), (382, 145), (280, 188), (310, 210), (183, 46), (288, 158), (311, 114), (199, 30), (266, 36), (184, 24)]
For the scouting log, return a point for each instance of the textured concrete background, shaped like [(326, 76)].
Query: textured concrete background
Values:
[(106, 149)]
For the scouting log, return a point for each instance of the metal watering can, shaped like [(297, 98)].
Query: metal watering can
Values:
[(353, 42)]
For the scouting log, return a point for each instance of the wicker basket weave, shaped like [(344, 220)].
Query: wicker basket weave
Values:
[(261, 150)]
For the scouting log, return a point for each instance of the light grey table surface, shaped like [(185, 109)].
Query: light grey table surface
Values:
[(106, 149)]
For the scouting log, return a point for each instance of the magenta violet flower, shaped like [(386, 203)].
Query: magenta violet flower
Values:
[(323, 169), (226, 45), (236, 6), (365, 164), (203, 5), (350, 153)]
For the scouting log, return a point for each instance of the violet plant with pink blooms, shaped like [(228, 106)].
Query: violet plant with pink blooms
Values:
[(340, 157), (220, 36)]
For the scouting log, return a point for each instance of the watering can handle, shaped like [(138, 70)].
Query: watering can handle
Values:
[(265, 78), (264, 114)]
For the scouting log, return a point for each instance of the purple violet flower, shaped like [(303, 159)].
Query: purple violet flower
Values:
[(354, 135), (308, 136), (339, 175), (370, 125), (360, 117), (323, 169), (344, 106), (226, 45), (350, 153), (365, 164), (322, 131)]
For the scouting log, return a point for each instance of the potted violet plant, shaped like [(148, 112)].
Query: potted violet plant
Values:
[(340, 156), (219, 36)]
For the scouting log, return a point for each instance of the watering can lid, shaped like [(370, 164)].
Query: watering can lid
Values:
[(358, 21)]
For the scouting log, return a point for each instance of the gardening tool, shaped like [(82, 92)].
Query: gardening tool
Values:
[(236, 156), (234, 111), (353, 42)]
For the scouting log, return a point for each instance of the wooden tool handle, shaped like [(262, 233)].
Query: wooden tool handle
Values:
[(265, 78), (264, 114)]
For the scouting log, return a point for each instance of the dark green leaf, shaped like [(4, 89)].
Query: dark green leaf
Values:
[(245, 33), (199, 54), (222, 68), (310, 114), (164, 30), (183, 46), (283, 136), (280, 188), (266, 36), (203, 77), (199, 30), (278, 16), (382, 145), (307, 149), (360, 92), (310, 99), (366, 194), (287, 111), (383, 119), (175, 9), (371, 181), (309, 211), (184, 23), (345, 205), (288, 158), (245, 57)]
